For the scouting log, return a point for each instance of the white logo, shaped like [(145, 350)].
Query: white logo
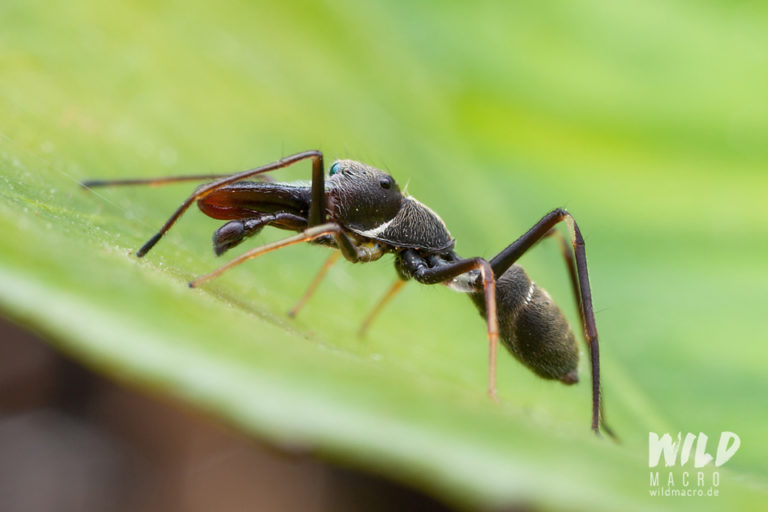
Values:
[(681, 482)]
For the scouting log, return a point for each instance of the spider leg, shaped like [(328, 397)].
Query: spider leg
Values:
[(567, 252), (317, 204), (155, 182), (313, 285), (393, 290), (418, 268), (570, 263), (343, 242), (577, 265)]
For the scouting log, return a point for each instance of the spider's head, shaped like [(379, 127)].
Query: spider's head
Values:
[(362, 197)]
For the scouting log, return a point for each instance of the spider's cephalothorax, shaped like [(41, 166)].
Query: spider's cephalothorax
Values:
[(361, 211), (368, 202)]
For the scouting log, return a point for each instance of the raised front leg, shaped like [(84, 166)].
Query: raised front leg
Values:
[(317, 205)]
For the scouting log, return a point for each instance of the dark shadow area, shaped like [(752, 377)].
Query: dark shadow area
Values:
[(71, 439)]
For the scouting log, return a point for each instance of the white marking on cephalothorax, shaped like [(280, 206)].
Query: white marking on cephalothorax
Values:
[(529, 295), (298, 183), (373, 233)]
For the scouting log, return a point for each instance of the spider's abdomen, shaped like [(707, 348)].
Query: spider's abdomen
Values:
[(532, 327)]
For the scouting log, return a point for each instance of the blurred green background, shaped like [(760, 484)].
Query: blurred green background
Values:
[(647, 120)]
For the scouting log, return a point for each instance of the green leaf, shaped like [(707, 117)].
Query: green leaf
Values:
[(646, 123)]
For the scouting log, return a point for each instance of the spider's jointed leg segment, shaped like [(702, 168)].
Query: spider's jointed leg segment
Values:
[(413, 265), (315, 282), (393, 290), (577, 267), (317, 207), (347, 247)]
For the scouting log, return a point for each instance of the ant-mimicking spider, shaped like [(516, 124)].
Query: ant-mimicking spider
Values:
[(360, 211)]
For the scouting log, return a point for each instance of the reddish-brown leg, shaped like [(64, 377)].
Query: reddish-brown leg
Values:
[(418, 268), (315, 282), (396, 287), (343, 242)]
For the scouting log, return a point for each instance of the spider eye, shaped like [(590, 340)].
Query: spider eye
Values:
[(386, 182), (335, 168)]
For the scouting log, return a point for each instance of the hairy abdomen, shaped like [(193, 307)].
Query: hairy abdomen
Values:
[(532, 327)]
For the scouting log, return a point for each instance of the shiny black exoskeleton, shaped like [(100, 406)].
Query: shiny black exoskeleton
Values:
[(361, 211)]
